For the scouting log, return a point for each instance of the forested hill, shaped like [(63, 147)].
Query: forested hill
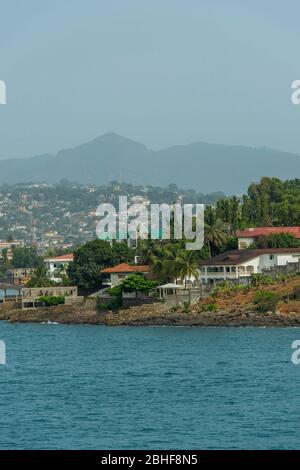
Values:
[(200, 166)]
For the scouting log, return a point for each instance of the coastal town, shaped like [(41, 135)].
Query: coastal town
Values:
[(48, 270), (63, 215)]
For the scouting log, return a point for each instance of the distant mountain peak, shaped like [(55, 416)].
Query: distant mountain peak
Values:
[(115, 139), (201, 166)]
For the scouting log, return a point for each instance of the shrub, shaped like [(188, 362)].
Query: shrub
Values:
[(228, 290), (104, 307), (265, 301), (51, 300), (101, 306), (133, 283), (209, 308), (268, 279), (261, 279)]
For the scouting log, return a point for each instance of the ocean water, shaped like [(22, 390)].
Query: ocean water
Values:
[(93, 387)]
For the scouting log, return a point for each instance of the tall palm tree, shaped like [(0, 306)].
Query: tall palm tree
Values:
[(189, 265), (214, 234)]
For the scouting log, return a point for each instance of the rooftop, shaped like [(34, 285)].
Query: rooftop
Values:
[(254, 232), (235, 257), (62, 258), (126, 268)]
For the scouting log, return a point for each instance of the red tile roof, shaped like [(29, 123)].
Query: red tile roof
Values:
[(67, 257), (264, 231), (126, 268)]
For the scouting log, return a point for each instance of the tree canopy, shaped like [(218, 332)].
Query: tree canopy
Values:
[(94, 256), (135, 282), (269, 202), (24, 257)]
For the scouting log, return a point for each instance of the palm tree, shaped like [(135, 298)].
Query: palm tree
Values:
[(214, 234), (146, 250), (160, 264), (189, 265), (174, 260), (40, 277), (171, 263)]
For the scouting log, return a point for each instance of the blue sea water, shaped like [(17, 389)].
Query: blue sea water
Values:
[(93, 387)]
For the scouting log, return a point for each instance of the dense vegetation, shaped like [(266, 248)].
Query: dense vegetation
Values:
[(269, 202)]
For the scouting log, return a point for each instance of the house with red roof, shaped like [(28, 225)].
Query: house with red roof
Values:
[(58, 265), (248, 236), (115, 274)]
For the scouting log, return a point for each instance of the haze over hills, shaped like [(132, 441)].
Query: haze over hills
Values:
[(201, 166)]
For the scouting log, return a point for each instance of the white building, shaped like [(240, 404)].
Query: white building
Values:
[(236, 264), (58, 265)]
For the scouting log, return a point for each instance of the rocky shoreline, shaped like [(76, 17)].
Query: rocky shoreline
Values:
[(160, 316), (151, 315), (65, 314)]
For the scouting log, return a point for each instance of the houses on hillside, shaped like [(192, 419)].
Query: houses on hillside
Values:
[(232, 265)]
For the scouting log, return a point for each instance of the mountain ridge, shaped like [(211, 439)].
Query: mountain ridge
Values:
[(202, 166)]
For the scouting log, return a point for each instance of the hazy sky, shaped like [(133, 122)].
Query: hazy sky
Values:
[(158, 71)]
